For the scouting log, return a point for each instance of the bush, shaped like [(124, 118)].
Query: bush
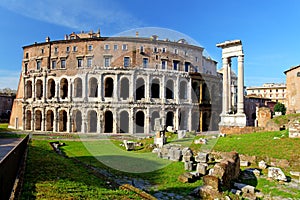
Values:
[(279, 107)]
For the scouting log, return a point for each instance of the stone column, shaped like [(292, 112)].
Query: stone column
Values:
[(225, 87), (240, 106), (131, 121), (43, 128), (147, 123), (147, 88), (44, 87), (70, 90), (229, 109), (163, 89), (201, 92), (33, 89), (189, 120), (32, 120), (115, 92), (69, 120)]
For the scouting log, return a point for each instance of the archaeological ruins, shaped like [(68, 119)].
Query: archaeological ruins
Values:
[(87, 83)]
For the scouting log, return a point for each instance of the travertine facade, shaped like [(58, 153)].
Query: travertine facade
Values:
[(292, 89), (88, 83)]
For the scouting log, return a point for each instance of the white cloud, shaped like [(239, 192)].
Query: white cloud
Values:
[(80, 14)]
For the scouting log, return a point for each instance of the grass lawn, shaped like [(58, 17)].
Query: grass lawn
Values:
[(50, 176), (6, 132)]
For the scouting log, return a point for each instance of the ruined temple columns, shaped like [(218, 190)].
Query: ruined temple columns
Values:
[(240, 105), (225, 87)]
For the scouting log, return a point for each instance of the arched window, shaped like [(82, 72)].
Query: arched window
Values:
[(92, 120), (63, 88), (109, 87), (155, 88), (63, 118), (28, 120), (183, 90), (39, 89), (124, 122), (93, 87), (49, 120), (155, 115), (140, 89), (38, 120), (28, 89), (139, 122), (108, 122), (170, 119), (51, 88), (124, 91), (170, 90), (77, 121), (77, 87)]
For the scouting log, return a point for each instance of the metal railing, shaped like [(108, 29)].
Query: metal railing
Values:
[(9, 167)]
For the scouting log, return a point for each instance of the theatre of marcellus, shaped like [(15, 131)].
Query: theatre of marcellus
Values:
[(87, 83)]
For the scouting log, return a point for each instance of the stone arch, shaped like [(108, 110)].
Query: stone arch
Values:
[(108, 121), (170, 119), (183, 90), (78, 87), (170, 89), (155, 88), (28, 120), (63, 88), (183, 120), (124, 122), (154, 115), (140, 89), (28, 89), (63, 119), (77, 121), (38, 120), (109, 87), (195, 121), (49, 120), (139, 122), (93, 87), (92, 121), (124, 88), (51, 88), (39, 89)]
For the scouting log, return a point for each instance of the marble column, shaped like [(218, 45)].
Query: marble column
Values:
[(240, 106), (229, 109), (225, 87)]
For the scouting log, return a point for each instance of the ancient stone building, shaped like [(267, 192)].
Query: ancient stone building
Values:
[(87, 83), (6, 102), (292, 89)]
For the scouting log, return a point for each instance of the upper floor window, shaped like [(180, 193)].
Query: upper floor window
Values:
[(186, 66), (270, 90), (89, 62), (42, 51), (53, 64), (74, 48), (155, 49), (185, 53), (106, 61), (55, 49), (196, 59), (68, 49), (141, 49), (298, 74), (126, 61), (90, 47), (26, 55), (124, 47), (145, 62), (79, 62), (38, 64), (175, 64), (106, 47), (164, 50), (63, 64), (115, 47), (163, 64), (176, 51)]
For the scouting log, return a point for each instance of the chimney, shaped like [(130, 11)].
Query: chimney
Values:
[(48, 39)]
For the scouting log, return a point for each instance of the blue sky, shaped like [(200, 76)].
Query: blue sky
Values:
[(269, 29)]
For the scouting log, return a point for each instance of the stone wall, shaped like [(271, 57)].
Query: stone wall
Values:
[(239, 130), (264, 115)]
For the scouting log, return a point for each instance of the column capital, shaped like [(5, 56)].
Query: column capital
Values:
[(241, 57)]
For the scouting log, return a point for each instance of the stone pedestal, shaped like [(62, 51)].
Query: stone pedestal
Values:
[(238, 119)]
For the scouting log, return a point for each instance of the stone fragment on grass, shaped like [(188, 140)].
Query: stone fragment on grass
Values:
[(244, 163), (186, 178), (188, 165), (201, 168), (245, 188), (201, 157), (262, 164), (276, 174)]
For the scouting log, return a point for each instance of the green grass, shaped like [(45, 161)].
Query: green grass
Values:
[(284, 119), (50, 176), (6, 132)]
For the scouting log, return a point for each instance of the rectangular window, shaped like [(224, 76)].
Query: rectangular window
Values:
[(164, 50), (90, 47), (163, 64), (26, 55), (75, 48), (155, 49), (145, 62), (79, 62), (115, 47), (196, 58), (175, 64), (176, 51), (126, 61), (186, 67), (55, 49), (38, 64), (106, 62), (141, 49), (106, 47), (42, 51), (53, 64), (124, 47), (89, 62), (63, 64), (68, 49)]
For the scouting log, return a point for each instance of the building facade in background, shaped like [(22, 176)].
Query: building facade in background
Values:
[(276, 92), (87, 83)]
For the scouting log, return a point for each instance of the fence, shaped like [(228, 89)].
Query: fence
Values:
[(9, 167)]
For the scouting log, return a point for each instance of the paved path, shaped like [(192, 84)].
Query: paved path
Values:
[(6, 145)]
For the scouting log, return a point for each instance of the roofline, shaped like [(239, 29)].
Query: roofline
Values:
[(292, 68)]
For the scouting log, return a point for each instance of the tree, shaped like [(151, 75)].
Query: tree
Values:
[(279, 107)]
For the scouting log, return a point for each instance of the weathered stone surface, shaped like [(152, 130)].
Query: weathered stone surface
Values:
[(187, 155), (276, 174), (283, 163), (201, 168), (207, 192), (262, 165), (212, 181), (201, 157), (244, 163), (129, 145), (228, 169), (181, 134), (201, 141), (175, 154), (236, 192), (188, 165), (294, 129), (186, 178)]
